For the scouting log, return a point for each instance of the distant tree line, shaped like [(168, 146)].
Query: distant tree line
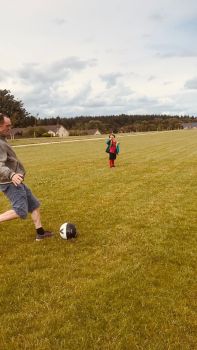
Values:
[(105, 124), (120, 123)]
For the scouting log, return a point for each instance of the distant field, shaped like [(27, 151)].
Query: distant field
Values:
[(41, 140), (128, 282), (37, 140)]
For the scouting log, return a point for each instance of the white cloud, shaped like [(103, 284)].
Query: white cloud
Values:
[(180, 52), (157, 17), (191, 84), (53, 73), (60, 21), (111, 79), (96, 57)]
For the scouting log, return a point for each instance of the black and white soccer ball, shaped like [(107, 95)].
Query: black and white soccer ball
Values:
[(68, 230)]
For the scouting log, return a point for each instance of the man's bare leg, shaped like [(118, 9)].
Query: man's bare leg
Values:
[(36, 218), (41, 233), (8, 215)]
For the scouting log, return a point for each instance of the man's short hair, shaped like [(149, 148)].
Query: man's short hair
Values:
[(2, 115)]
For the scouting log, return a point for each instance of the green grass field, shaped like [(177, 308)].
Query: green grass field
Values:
[(128, 282)]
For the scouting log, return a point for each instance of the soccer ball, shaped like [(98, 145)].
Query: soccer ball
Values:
[(68, 230)]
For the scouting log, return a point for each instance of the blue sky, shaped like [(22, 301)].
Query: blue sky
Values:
[(100, 57)]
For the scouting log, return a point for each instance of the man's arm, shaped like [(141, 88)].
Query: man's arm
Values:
[(17, 179), (5, 172)]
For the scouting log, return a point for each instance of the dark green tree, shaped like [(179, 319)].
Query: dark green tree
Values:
[(8, 104)]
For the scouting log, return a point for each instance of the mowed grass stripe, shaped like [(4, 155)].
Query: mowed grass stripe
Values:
[(43, 141), (128, 280)]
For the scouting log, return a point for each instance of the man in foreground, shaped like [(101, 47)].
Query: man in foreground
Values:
[(12, 175)]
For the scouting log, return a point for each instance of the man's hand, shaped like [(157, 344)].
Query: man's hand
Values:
[(17, 179)]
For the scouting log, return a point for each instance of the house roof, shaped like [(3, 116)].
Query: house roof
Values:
[(190, 125), (53, 128)]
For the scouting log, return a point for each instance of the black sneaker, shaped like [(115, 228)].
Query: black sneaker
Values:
[(47, 234)]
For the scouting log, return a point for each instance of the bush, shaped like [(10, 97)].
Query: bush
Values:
[(46, 134)]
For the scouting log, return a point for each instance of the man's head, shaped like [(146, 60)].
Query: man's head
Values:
[(5, 124)]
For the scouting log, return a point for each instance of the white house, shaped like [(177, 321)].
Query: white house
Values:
[(93, 132), (190, 125), (56, 130), (53, 130)]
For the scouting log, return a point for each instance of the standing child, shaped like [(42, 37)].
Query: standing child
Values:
[(112, 149)]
